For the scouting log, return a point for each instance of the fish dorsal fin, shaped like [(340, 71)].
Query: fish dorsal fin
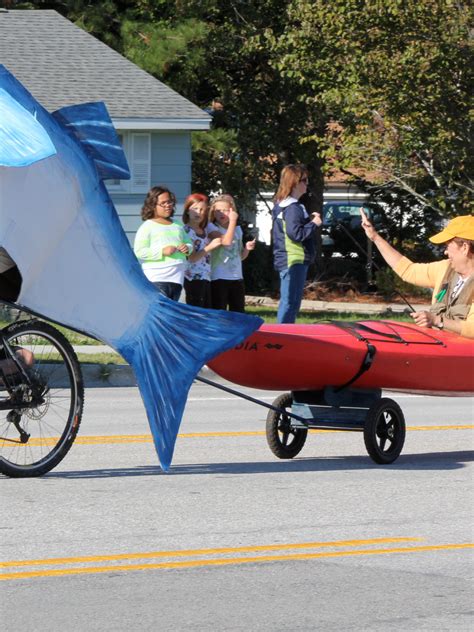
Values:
[(90, 124), (23, 140)]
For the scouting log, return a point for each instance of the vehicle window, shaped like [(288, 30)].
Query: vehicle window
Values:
[(341, 211)]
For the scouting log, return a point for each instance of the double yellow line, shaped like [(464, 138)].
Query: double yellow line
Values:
[(79, 565)]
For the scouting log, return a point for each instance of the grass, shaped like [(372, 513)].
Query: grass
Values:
[(101, 358), (78, 339), (84, 358), (269, 315), (73, 337)]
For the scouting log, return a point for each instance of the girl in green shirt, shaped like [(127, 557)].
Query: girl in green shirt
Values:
[(161, 243)]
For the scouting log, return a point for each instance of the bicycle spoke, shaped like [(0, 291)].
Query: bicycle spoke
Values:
[(47, 406)]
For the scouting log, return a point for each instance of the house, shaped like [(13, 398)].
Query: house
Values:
[(60, 64)]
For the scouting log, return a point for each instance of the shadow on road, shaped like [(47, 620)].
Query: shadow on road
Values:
[(416, 462)]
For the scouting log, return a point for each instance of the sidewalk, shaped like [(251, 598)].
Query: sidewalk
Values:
[(339, 307), (100, 375)]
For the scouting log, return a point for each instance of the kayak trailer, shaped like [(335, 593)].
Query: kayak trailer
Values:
[(291, 415)]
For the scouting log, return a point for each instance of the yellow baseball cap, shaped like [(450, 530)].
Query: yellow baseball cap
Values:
[(462, 227)]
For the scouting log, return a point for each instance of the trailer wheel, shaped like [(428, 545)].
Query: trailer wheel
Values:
[(384, 431), (284, 441)]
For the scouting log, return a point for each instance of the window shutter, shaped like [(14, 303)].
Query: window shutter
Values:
[(115, 182), (140, 162)]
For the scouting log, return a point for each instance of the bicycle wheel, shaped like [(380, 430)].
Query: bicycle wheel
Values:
[(39, 420)]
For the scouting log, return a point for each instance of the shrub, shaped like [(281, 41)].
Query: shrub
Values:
[(388, 284), (259, 275)]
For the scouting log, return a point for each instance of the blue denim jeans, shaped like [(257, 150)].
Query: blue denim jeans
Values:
[(292, 282), (171, 290)]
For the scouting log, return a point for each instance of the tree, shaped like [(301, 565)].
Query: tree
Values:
[(395, 77)]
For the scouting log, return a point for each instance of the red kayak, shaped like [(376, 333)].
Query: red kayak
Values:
[(366, 354)]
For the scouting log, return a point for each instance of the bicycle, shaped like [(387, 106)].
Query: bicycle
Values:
[(41, 396)]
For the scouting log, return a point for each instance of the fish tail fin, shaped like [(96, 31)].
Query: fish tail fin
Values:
[(170, 349)]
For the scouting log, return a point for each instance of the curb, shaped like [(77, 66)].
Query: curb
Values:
[(121, 375), (101, 375)]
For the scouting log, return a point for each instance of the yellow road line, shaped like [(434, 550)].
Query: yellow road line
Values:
[(231, 561), (191, 552), (447, 427), (147, 438)]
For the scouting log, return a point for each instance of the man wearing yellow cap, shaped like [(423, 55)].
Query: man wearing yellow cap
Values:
[(452, 279)]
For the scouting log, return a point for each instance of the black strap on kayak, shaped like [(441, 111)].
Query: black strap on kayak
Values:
[(365, 366), (384, 335), (353, 327), (369, 356), (430, 338)]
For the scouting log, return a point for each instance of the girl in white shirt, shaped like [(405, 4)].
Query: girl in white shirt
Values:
[(227, 282), (197, 277)]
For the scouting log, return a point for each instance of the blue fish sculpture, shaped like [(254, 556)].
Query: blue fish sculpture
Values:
[(59, 225)]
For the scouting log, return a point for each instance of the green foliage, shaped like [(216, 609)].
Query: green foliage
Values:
[(396, 77), (389, 285), (216, 165), (105, 359), (163, 50)]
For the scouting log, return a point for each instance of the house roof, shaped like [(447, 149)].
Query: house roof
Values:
[(60, 64)]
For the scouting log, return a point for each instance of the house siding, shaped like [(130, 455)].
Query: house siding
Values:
[(170, 165)]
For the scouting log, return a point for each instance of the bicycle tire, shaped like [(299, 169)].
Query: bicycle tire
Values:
[(52, 425)]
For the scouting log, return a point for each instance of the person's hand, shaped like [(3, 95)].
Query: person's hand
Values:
[(316, 219), (367, 226), (184, 248), (233, 216), (250, 245), (213, 244), (425, 319), (168, 251)]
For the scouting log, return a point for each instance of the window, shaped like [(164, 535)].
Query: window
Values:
[(137, 148), (341, 211), (139, 162)]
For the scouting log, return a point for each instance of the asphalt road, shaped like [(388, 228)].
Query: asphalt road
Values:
[(235, 539)]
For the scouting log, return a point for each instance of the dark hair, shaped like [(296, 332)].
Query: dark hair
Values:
[(149, 205), (190, 200), (460, 241)]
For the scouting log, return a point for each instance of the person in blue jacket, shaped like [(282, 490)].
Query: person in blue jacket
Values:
[(293, 236)]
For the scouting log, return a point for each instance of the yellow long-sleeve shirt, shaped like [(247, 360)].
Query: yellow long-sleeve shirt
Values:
[(432, 275)]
